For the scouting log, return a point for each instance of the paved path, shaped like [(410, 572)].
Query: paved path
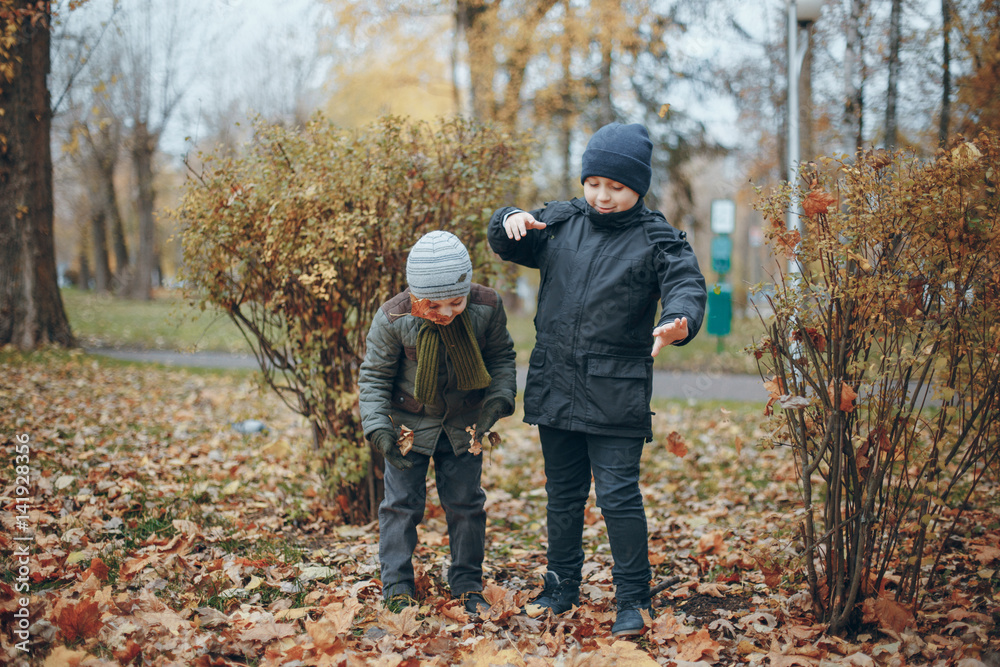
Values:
[(666, 384)]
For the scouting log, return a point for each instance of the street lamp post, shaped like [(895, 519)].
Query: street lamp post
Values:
[(801, 14)]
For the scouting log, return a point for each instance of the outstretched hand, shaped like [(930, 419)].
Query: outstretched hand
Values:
[(517, 225), (669, 333)]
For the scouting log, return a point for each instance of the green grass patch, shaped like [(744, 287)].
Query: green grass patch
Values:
[(168, 322)]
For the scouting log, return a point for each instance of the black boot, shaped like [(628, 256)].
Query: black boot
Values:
[(559, 595), (474, 602), (628, 622)]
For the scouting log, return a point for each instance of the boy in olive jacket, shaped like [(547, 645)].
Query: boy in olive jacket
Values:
[(439, 359), (605, 261)]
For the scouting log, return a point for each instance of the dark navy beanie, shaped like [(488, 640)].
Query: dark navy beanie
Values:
[(622, 153)]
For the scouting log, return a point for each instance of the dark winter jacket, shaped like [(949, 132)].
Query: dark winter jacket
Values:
[(389, 371), (601, 277)]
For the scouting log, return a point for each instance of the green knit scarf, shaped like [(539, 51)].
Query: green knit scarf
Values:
[(463, 351)]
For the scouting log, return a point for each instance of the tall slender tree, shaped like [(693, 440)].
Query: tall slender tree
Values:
[(892, 93), (978, 92), (944, 120), (853, 120), (31, 307)]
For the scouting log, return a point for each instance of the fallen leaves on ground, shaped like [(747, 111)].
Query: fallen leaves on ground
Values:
[(162, 536)]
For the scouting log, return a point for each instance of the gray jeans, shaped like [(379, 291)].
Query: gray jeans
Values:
[(402, 510)]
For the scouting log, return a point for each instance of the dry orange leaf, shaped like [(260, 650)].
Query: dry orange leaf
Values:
[(405, 440), (699, 646), (985, 554), (817, 202), (888, 614), (422, 308), (676, 445), (80, 620), (63, 656), (402, 624), (475, 447), (847, 396), (711, 543)]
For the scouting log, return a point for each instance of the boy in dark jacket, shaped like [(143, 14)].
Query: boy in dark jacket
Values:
[(439, 360), (605, 262)]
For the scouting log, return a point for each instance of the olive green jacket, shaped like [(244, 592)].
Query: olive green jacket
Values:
[(389, 371)]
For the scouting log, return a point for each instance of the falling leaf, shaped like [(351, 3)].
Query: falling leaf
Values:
[(664, 110), (676, 445)]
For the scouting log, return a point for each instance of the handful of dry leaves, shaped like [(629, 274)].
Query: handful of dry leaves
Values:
[(475, 446)]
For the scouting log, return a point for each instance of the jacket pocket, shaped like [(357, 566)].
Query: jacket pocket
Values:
[(403, 400), (536, 389), (618, 391)]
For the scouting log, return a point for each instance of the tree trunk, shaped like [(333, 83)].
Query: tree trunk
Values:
[(31, 307), (476, 20), (99, 239), (945, 121), (605, 109), (143, 147), (566, 116), (852, 88), (118, 244), (891, 119), (84, 276)]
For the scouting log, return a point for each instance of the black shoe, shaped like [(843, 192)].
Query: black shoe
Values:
[(400, 601), (559, 595), (473, 601), (628, 622)]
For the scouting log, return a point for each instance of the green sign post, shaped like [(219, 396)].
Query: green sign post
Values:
[(720, 298)]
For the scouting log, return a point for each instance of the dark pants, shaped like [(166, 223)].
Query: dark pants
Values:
[(570, 458), (462, 498)]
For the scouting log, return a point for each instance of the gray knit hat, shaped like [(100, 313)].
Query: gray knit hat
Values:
[(622, 153), (439, 267)]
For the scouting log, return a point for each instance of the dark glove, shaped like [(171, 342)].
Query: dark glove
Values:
[(488, 416), (384, 441)]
